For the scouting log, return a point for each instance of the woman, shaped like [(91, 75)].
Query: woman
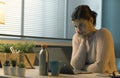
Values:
[(93, 50)]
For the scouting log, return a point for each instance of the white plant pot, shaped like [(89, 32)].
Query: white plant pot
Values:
[(13, 71), (6, 70), (20, 72)]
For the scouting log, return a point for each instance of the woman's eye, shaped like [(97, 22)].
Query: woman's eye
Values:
[(81, 25), (76, 26)]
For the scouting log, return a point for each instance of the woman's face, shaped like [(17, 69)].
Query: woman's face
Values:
[(82, 26)]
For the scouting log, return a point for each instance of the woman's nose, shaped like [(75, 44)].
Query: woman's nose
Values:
[(77, 30)]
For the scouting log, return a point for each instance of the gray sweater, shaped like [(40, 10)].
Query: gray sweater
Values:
[(97, 55)]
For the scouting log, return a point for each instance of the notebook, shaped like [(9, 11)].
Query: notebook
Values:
[(68, 69)]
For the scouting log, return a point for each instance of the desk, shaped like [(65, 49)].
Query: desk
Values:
[(34, 73)]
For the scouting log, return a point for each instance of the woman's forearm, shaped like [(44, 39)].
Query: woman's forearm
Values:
[(79, 58)]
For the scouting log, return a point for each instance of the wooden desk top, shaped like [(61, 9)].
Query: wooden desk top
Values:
[(34, 73)]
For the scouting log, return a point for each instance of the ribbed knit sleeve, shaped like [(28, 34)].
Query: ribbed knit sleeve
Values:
[(105, 57), (78, 53)]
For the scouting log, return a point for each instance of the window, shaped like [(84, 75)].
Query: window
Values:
[(12, 18), (95, 5), (44, 18), (41, 18)]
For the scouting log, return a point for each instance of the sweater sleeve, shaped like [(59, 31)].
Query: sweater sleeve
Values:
[(78, 53), (104, 49)]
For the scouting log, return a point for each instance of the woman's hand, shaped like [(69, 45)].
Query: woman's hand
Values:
[(83, 39)]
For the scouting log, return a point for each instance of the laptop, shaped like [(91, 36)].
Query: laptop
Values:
[(68, 69)]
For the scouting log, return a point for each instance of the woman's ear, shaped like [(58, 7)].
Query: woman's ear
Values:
[(91, 20)]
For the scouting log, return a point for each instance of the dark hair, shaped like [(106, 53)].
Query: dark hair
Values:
[(84, 12)]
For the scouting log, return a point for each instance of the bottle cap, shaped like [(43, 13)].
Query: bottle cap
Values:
[(44, 45)]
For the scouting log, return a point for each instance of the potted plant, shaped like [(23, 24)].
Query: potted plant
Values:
[(6, 67), (27, 54), (26, 47), (13, 67), (5, 48), (13, 63), (21, 69), (5, 52)]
